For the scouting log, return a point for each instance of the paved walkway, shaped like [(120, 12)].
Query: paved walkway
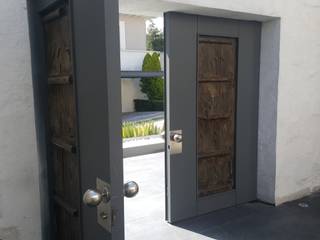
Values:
[(253, 221)]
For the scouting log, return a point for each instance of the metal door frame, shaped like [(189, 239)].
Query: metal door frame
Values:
[(181, 57), (94, 24)]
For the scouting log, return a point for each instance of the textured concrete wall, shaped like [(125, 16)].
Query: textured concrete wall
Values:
[(267, 133), (19, 186), (298, 131)]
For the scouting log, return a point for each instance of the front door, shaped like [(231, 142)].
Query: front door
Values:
[(76, 63), (212, 113)]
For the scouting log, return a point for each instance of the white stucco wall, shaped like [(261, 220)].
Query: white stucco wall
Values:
[(130, 90), (289, 157), (19, 187), (135, 31), (298, 135)]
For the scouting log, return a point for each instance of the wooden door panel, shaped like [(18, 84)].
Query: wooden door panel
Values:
[(215, 136), (216, 100), (216, 174), (76, 71), (63, 128), (62, 111), (216, 114), (216, 59), (58, 46), (65, 220)]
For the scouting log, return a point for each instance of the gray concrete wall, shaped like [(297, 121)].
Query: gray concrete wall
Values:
[(267, 135), (19, 186)]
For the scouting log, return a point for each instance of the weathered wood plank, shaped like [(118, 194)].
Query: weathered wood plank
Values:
[(65, 144), (60, 80), (216, 59), (215, 99), (66, 206), (216, 114), (63, 126), (217, 175)]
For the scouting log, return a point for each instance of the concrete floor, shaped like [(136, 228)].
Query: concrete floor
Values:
[(253, 221)]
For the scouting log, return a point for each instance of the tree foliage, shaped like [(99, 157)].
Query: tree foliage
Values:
[(153, 87), (155, 38)]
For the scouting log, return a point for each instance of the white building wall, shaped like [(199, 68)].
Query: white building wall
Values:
[(19, 186), (130, 90), (135, 32), (298, 137), (133, 49)]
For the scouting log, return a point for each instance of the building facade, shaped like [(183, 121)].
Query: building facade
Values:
[(133, 49)]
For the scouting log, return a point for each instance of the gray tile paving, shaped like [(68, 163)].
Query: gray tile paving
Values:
[(252, 221)]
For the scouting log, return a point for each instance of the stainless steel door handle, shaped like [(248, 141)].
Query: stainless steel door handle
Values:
[(100, 198), (131, 189), (177, 137), (93, 198)]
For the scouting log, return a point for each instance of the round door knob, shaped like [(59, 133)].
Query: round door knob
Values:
[(176, 138), (131, 189), (92, 198)]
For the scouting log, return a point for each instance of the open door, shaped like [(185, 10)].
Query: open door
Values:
[(212, 113), (76, 66)]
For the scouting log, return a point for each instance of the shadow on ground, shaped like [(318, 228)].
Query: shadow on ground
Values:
[(258, 221)]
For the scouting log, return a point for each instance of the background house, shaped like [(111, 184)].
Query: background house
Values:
[(133, 44), (133, 49)]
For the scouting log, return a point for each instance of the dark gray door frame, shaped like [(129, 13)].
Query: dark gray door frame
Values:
[(181, 33), (98, 93), (40, 89)]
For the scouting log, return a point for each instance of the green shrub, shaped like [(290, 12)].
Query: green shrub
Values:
[(153, 87), (141, 105), (140, 129)]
